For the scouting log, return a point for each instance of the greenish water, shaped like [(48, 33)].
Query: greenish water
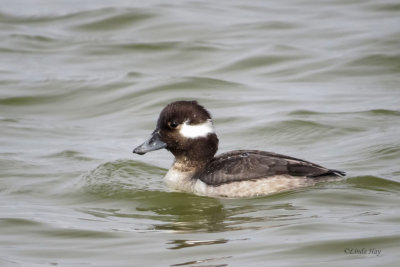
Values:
[(82, 83)]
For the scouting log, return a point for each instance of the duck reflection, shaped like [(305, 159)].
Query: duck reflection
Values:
[(185, 213)]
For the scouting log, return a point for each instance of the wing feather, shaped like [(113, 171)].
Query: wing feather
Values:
[(242, 165)]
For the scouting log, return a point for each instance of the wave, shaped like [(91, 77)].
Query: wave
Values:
[(123, 179)]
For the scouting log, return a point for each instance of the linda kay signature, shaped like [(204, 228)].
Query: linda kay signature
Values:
[(363, 251)]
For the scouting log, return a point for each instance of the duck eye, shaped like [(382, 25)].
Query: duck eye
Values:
[(173, 124)]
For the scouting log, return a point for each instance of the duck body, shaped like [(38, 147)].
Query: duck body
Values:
[(185, 129)]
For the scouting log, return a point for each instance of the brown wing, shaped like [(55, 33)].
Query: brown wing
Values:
[(244, 165)]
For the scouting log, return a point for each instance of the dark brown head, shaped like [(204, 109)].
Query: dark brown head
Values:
[(186, 130)]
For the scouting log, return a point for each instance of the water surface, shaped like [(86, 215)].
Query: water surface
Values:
[(82, 83)]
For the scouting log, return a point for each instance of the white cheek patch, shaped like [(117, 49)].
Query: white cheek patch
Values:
[(198, 130)]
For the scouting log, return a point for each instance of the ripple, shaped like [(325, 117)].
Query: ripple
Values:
[(115, 19), (28, 43), (299, 131), (374, 183), (179, 244), (374, 62), (208, 261), (389, 7), (27, 100), (172, 89), (371, 112), (123, 179), (386, 152), (69, 154), (22, 19), (110, 12), (259, 61)]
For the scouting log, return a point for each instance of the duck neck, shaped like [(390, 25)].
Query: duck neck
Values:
[(197, 155), (187, 164)]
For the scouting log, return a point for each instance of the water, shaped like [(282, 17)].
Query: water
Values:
[(82, 84)]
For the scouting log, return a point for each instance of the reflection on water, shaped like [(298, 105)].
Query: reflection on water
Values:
[(136, 186), (204, 261), (178, 244)]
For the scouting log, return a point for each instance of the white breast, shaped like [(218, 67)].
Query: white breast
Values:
[(178, 180)]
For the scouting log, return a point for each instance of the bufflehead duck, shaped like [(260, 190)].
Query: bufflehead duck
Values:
[(186, 130)]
